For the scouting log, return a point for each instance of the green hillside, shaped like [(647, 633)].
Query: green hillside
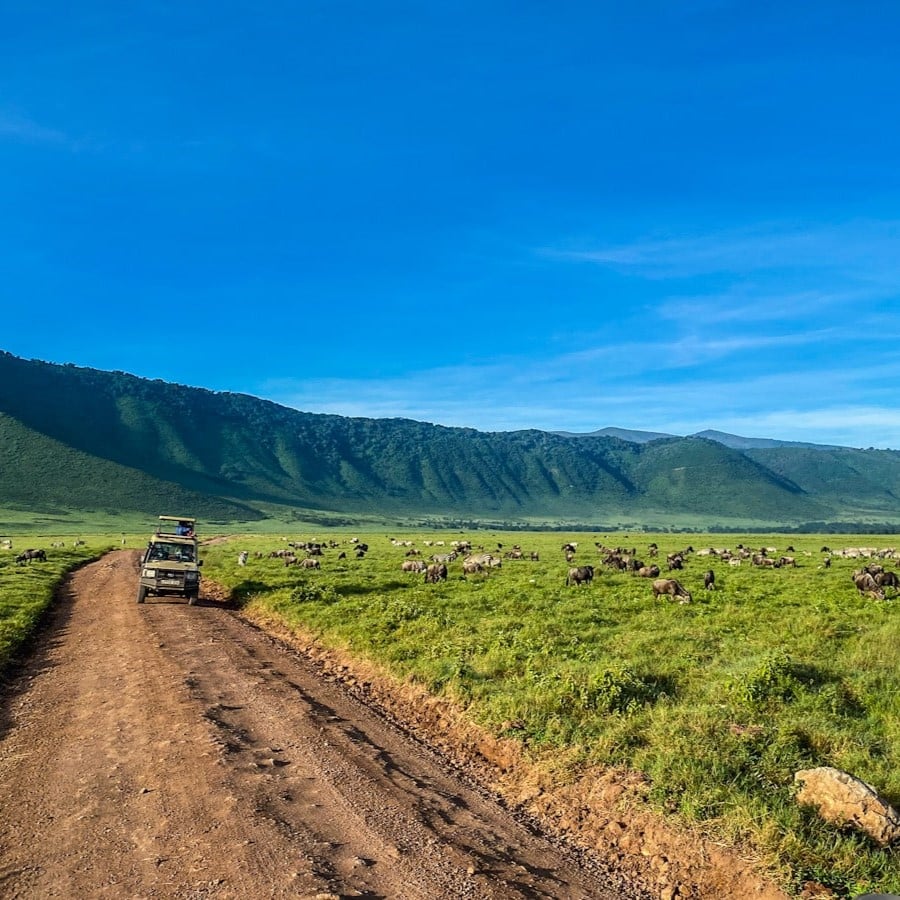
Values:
[(83, 438), (42, 475)]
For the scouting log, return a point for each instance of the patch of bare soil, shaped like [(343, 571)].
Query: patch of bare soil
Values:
[(167, 750), (602, 811)]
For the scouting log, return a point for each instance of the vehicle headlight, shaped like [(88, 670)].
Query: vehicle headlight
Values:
[(191, 576), (149, 573)]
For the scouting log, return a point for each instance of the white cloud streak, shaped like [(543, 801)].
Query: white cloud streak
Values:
[(20, 128), (863, 247), (817, 405)]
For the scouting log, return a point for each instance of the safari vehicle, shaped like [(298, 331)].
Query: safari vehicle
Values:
[(170, 565)]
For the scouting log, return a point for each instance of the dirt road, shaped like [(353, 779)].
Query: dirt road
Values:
[(164, 750)]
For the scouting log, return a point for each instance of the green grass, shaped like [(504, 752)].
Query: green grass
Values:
[(27, 590), (718, 702)]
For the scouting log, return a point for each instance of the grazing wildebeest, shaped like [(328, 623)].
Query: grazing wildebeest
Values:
[(310, 563), (866, 585), (672, 588), (342, 555), (709, 580), (435, 572), (470, 567), (648, 571), (887, 579), (675, 561), (580, 575), (413, 565), (28, 555), (243, 556)]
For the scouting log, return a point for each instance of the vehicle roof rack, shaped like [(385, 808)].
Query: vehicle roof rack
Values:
[(168, 526)]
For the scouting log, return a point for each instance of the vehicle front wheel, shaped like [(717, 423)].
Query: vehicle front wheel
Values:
[(141, 594), (192, 599)]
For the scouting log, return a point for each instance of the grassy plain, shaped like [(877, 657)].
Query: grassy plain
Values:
[(26, 591), (718, 701)]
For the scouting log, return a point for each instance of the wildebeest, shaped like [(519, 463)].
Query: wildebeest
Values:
[(672, 588), (675, 561), (580, 575), (413, 565), (866, 585), (709, 580), (648, 571), (435, 572), (310, 563), (28, 555), (887, 579), (470, 566)]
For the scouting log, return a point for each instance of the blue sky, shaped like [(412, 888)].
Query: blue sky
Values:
[(654, 215)]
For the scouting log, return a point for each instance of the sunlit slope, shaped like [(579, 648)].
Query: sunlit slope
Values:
[(40, 474), (243, 450)]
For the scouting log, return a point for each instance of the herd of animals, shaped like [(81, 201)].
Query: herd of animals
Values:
[(871, 580)]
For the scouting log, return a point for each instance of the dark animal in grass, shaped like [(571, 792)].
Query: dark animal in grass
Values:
[(887, 579), (672, 588), (867, 586), (435, 572), (709, 580), (648, 572), (310, 564), (580, 575), (28, 555)]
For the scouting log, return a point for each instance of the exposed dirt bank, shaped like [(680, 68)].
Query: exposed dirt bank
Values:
[(162, 750)]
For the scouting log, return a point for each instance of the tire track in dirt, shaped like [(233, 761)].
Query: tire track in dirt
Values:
[(163, 750)]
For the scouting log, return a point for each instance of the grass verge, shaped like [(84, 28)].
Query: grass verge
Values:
[(718, 702)]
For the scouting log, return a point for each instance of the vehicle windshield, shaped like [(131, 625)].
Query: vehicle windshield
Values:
[(161, 551)]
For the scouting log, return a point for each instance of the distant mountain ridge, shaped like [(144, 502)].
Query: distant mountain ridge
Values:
[(735, 441), (83, 438)]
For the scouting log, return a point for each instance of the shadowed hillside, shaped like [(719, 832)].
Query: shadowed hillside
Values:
[(136, 439)]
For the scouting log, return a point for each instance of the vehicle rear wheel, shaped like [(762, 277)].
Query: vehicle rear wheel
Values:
[(141, 594)]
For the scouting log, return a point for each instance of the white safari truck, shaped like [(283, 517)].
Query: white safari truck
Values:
[(170, 565)]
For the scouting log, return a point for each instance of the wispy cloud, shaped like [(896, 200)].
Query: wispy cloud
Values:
[(818, 405), (864, 247), (21, 128)]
